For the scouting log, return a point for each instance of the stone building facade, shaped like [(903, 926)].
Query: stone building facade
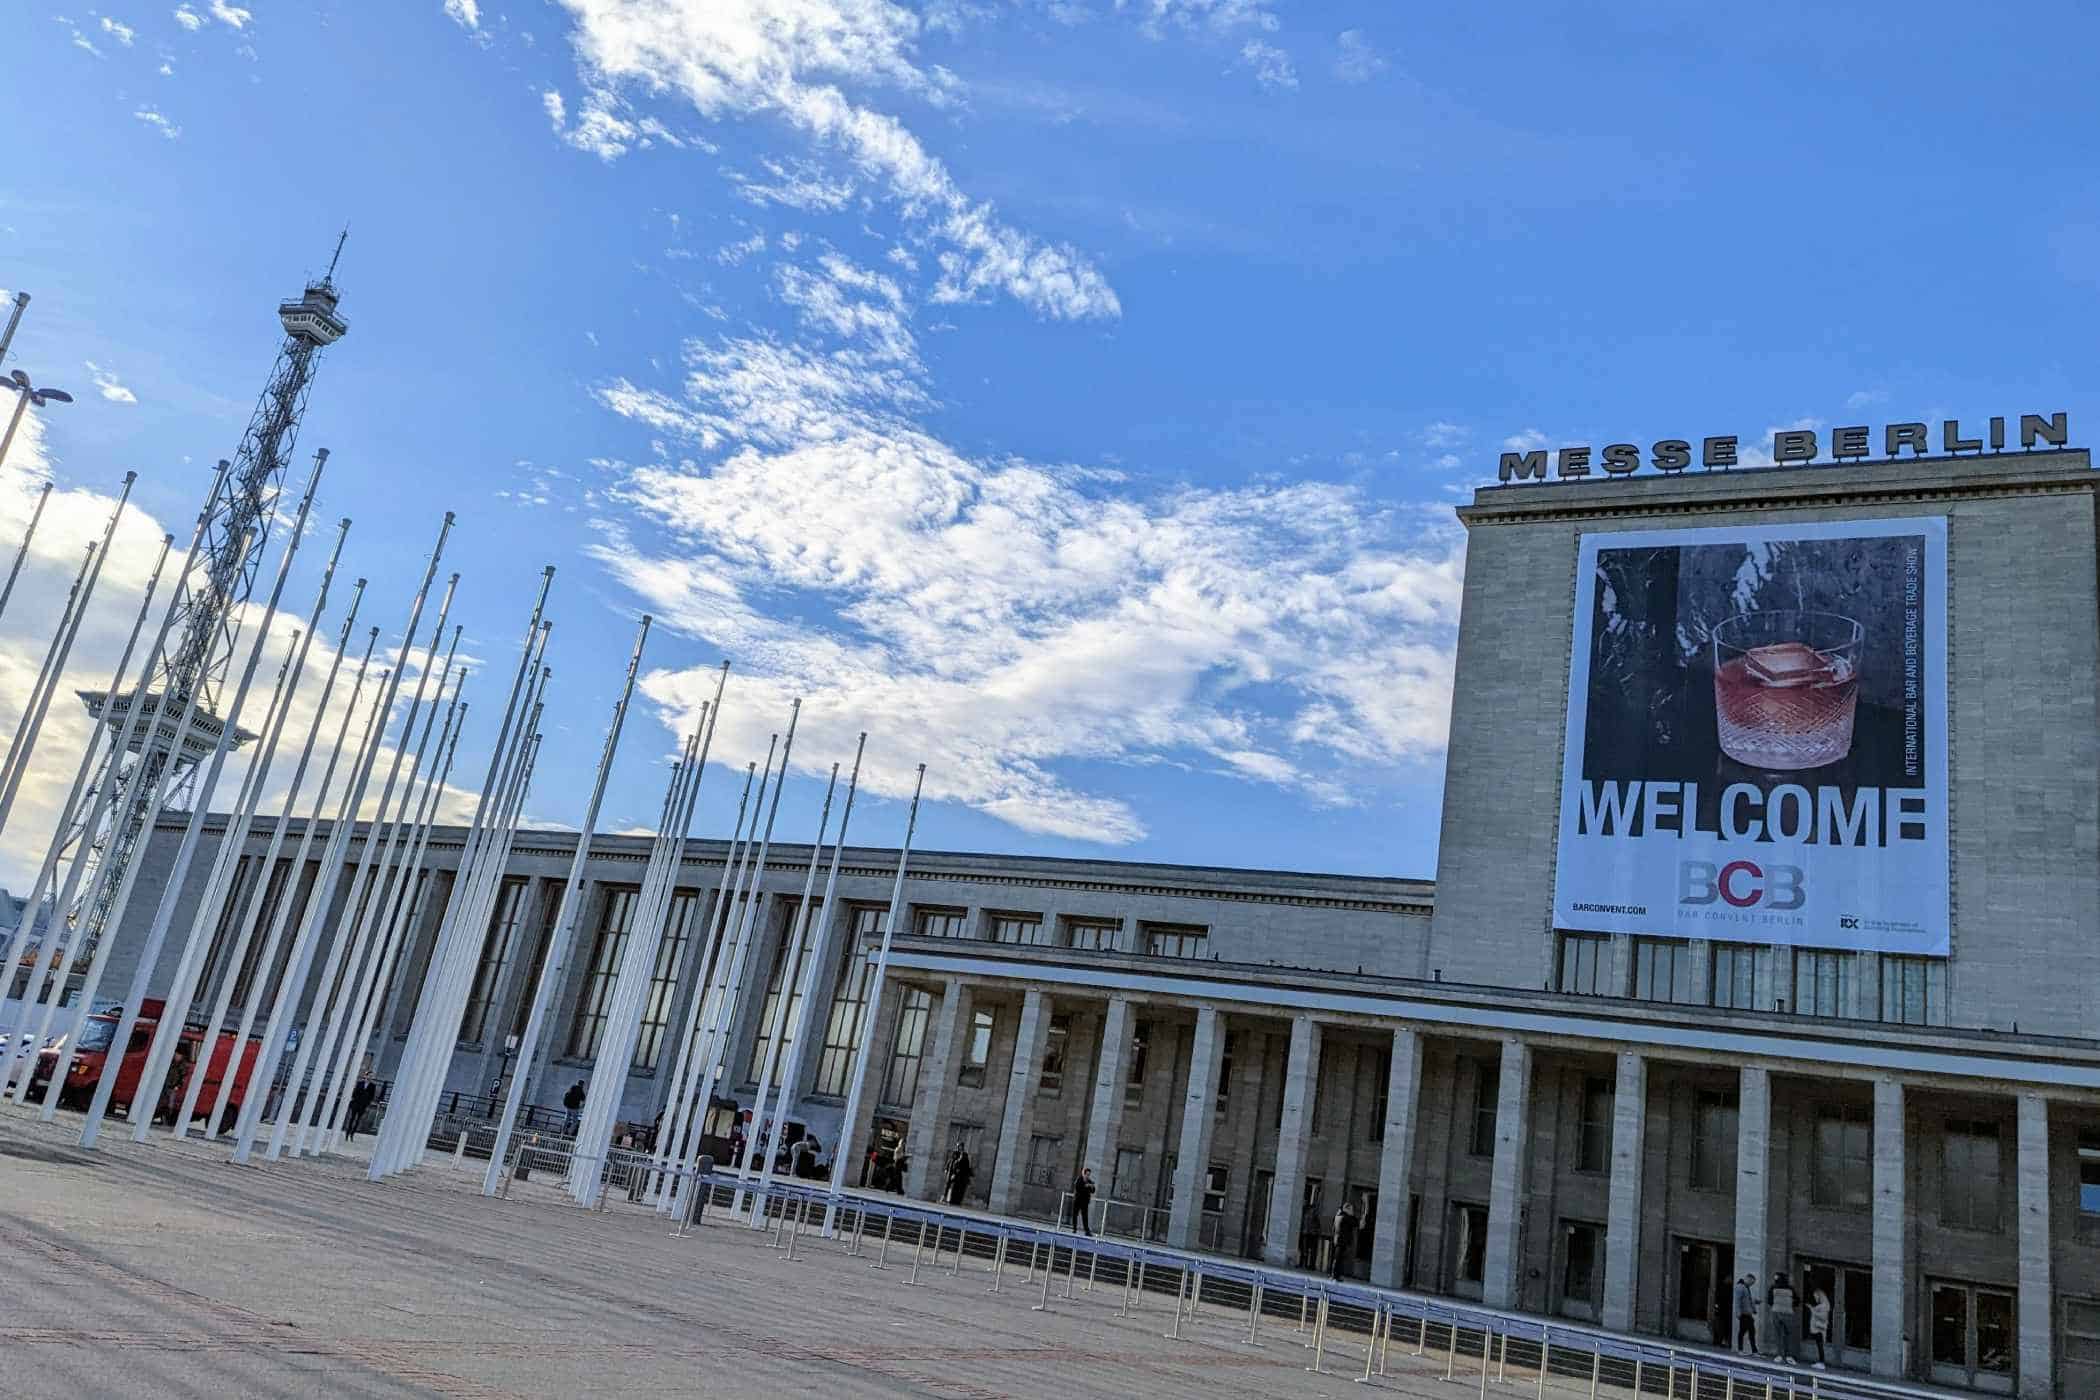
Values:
[(1610, 1128)]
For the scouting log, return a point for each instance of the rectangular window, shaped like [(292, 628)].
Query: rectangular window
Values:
[(244, 978), (1822, 983), (1055, 1047), (1585, 964), (1096, 936), (496, 943), (2089, 1171), (523, 1009), (1042, 1160), (1593, 1143), (1713, 1140), (1134, 1081), (1174, 940), (229, 922), (1913, 990), (1662, 969), (1736, 968), (663, 981), (901, 1084), (1382, 1090), (977, 1053), (849, 1003), (942, 923), (2082, 1331), (596, 1002), (1215, 1181), (1969, 1183), (1469, 1254), (1487, 1094), (1583, 1267), (1842, 1175), (1129, 1177), (1224, 1097), (763, 1041), (1025, 929)]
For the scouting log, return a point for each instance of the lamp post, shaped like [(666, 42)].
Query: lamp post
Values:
[(7, 337), (25, 395)]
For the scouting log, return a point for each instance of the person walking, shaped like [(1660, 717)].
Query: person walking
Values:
[(960, 1173), (1083, 1201), (1746, 1314), (1786, 1309), (1344, 1239), (1819, 1323), (573, 1101), (360, 1099)]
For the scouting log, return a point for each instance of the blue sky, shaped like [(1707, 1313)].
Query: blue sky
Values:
[(1071, 394)]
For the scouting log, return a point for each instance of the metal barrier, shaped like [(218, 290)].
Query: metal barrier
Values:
[(1470, 1342)]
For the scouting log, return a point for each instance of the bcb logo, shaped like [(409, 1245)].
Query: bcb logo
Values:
[(1740, 884)]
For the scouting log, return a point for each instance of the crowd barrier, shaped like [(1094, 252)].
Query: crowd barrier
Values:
[(1471, 1343)]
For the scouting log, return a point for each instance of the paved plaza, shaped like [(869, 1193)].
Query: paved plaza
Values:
[(166, 1271)]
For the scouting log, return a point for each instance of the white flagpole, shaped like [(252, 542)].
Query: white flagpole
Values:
[(427, 1046), (790, 1080), (52, 949), (116, 786), (369, 886), (29, 534), (289, 894), (291, 986), (168, 1032), (723, 1024), (564, 927), (25, 739), (774, 1026), (332, 858), (219, 890), (849, 1149), (672, 1109), (699, 1095)]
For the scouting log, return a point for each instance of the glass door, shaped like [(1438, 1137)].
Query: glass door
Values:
[(1972, 1333)]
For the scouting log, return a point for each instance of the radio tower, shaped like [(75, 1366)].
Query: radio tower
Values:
[(200, 640)]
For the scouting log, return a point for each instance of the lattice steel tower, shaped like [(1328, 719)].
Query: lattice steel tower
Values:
[(200, 642)]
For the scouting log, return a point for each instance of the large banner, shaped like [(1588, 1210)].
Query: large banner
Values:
[(1757, 736)]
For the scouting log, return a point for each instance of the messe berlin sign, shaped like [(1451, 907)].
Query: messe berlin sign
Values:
[(1790, 447), (1757, 736)]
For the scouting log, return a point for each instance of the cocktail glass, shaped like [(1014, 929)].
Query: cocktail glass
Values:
[(1786, 686)]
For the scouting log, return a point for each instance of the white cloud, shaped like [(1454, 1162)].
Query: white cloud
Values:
[(1272, 66), (1003, 618), (557, 110), (730, 254), (1219, 15), (231, 14), (1866, 398), (789, 60), (1529, 440), (122, 33), (158, 122), (107, 384), (1443, 434), (167, 70), (464, 13), (188, 18), (800, 185), (1356, 61)]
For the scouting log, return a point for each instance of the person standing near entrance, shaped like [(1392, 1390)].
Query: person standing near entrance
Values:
[(573, 1102), (1344, 1239), (1819, 1324), (960, 1173), (1746, 1314), (1785, 1309), (1083, 1201)]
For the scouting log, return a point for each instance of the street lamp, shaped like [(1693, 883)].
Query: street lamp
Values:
[(26, 395)]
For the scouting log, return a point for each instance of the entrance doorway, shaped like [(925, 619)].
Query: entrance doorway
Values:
[(1581, 1264), (1705, 1285), (1850, 1288), (1257, 1231), (1972, 1332)]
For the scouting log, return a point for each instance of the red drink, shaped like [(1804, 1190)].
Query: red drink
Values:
[(1786, 686)]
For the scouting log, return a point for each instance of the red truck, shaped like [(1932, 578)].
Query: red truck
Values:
[(100, 1031)]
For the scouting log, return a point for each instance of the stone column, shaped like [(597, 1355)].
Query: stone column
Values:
[(1389, 1242), (927, 1138), (1891, 1230), (1293, 1139), (1105, 1110), (2037, 1297), (1017, 1123), (1504, 1263), (1198, 1118), (1753, 1185), (1622, 1235)]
